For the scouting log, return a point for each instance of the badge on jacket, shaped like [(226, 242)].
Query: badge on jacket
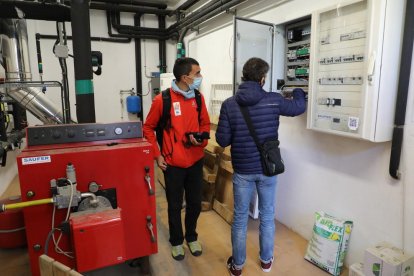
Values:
[(177, 109)]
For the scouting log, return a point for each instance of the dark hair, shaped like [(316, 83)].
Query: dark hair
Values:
[(182, 67), (255, 69)]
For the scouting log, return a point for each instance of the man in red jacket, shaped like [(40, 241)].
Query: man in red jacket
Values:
[(181, 154)]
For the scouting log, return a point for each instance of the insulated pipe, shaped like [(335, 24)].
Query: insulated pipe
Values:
[(138, 64), (134, 34), (184, 6), (81, 33), (135, 3), (403, 83), (93, 38), (15, 52), (137, 29), (209, 7), (65, 83), (40, 10), (180, 44), (223, 8), (202, 19), (162, 46), (125, 8)]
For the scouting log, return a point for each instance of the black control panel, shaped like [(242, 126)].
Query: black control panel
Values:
[(61, 134)]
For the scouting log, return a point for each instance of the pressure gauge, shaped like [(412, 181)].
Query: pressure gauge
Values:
[(93, 187), (118, 131)]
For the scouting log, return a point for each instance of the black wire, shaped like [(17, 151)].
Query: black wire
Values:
[(49, 236)]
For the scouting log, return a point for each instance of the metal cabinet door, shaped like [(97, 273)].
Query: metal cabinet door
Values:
[(252, 39)]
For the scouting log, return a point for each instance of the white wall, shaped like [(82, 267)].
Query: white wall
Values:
[(345, 177)]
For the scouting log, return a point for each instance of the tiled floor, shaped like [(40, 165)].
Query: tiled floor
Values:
[(214, 234)]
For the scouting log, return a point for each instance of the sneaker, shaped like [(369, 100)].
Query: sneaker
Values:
[(177, 252), (232, 268), (266, 267), (195, 248)]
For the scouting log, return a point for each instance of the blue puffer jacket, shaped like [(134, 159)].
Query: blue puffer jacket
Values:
[(264, 109)]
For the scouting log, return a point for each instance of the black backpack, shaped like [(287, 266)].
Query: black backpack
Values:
[(165, 120)]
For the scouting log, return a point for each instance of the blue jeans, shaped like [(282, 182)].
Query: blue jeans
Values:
[(243, 185)]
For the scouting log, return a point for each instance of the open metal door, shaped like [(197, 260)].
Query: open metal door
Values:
[(252, 39)]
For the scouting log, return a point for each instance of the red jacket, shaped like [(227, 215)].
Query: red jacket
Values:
[(184, 118)]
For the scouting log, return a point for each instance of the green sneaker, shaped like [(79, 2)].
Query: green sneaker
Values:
[(177, 252), (195, 248)]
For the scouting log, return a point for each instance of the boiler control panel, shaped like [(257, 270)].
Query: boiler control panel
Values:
[(72, 133)]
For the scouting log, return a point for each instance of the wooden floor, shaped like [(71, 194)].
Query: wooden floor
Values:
[(214, 235)]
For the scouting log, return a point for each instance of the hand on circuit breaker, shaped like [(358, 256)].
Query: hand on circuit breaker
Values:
[(161, 163)]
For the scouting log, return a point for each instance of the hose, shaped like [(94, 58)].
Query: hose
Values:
[(5, 207)]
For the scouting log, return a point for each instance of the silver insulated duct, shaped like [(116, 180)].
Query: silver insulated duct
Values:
[(15, 52)]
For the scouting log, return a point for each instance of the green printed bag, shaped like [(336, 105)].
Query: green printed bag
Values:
[(329, 243)]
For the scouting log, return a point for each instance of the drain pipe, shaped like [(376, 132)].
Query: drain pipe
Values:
[(81, 33), (404, 81)]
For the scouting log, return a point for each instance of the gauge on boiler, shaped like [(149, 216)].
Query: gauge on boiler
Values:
[(118, 131)]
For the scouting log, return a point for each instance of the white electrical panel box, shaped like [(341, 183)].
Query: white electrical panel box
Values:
[(165, 80), (355, 54)]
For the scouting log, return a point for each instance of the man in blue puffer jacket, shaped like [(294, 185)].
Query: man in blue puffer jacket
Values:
[(264, 109)]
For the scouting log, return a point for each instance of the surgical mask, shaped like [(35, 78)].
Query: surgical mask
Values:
[(187, 94), (196, 83)]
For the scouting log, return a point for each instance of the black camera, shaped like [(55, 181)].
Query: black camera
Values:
[(199, 136)]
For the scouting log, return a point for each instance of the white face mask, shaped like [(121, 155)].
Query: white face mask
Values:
[(196, 83)]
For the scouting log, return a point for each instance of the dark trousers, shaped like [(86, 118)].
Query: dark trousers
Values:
[(178, 180)]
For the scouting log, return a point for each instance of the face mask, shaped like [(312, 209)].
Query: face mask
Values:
[(196, 83)]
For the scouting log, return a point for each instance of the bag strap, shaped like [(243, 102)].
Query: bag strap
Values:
[(165, 120), (198, 102), (249, 123)]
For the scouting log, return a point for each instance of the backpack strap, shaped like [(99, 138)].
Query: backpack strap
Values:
[(198, 101), (165, 120)]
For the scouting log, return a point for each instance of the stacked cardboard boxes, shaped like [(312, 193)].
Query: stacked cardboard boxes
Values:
[(384, 259)]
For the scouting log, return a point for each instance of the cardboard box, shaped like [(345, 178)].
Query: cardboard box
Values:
[(387, 260), (400, 265), (373, 262), (356, 269)]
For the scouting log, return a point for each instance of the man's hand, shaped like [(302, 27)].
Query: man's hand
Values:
[(161, 163), (194, 141)]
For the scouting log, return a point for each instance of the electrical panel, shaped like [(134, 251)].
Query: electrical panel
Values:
[(165, 80), (155, 84), (297, 47), (354, 68)]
